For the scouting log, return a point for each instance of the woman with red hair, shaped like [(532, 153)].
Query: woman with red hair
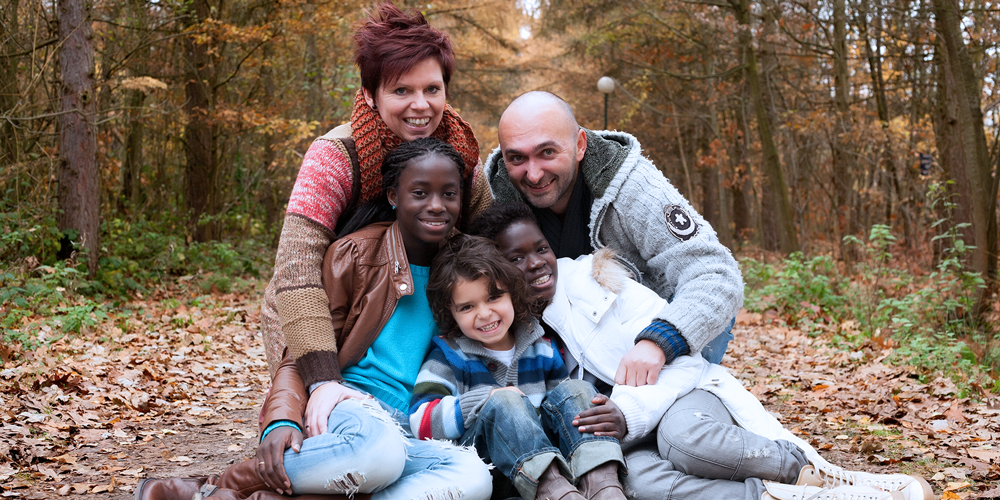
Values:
[(405, 66)]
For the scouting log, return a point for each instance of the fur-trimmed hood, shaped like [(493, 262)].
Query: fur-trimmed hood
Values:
[(608, 271)]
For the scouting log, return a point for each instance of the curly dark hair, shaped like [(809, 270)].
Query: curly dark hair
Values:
[(470, 258), (378, 209), (499, 216)]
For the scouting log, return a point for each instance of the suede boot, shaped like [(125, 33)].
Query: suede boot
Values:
[(243, 477), (602, 483), (554, 486), (175, 488)]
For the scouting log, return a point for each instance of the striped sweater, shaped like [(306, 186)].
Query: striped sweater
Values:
[(458, 375)]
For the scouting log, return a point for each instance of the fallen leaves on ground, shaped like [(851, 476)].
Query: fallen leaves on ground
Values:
[(863, 414), (172, 390), (175, 391)]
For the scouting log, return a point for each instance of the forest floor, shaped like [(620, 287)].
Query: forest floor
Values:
[(175, 391)]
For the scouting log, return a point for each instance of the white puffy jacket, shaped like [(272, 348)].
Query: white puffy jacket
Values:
[(597, 311)]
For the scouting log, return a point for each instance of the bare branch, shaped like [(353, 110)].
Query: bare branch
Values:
[(687, 78), (25, 52)]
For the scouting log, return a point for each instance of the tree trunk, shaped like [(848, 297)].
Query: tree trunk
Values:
[(886, 173), (9, 140), (689, 191), (962, 144), (777, 210), (199, 133), (843, 165), (272, 192), (132, 167), (79, 197), (315, 106), (742, 187), (714, 194)]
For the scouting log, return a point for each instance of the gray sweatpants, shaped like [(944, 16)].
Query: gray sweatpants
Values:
[(698, 452)]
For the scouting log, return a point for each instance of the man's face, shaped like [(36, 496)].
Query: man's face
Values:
[(542, 150)]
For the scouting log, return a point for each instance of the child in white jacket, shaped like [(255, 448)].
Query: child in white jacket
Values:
[(597, 310)]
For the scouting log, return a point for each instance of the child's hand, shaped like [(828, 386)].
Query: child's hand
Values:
[(604, 419), (641, 365), (321, 403), (270, 457), (515, 389)]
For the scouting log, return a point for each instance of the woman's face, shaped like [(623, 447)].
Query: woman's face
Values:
[(412, 106), (428, 202)]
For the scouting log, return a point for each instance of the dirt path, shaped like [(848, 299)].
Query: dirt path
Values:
[(175, 391)]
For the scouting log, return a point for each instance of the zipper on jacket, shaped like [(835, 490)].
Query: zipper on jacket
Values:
[(395, 253)]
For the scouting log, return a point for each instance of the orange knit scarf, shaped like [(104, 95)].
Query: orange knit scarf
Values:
[(373, 140)]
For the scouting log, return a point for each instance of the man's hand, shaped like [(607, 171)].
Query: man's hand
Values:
[(641, 365), (321, 403), (604, 419), (271, 457)]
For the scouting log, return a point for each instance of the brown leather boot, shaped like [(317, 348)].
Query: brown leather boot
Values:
[(174, 488), (243, 477), (602, 483), (554, 486)]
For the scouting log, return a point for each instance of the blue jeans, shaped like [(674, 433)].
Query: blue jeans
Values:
[(366, 449), (510, 432), (716, 348)]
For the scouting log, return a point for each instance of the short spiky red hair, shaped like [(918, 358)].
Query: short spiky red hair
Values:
[(390, 42)]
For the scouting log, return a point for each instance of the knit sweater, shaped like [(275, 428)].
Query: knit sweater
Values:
[(325, 190), (458, 375), (664, 242)]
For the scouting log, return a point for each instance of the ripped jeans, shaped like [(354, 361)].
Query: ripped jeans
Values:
[(700, 437), (699, 452), (368, 449)]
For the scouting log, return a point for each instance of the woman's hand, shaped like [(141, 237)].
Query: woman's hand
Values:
[(604, 419), (271, 457), (321, 403)]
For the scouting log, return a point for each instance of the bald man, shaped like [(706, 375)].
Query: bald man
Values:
[(594, 189)]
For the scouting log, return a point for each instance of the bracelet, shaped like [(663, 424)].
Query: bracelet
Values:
[(275, 425)]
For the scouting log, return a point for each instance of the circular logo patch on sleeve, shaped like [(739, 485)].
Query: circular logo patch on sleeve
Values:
[(680, 223)]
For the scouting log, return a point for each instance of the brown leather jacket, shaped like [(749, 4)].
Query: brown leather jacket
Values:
[(361, 271)]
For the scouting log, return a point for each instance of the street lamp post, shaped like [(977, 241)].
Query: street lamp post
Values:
[(606, 85)]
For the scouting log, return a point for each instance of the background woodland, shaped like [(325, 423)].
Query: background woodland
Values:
[(846, 149)]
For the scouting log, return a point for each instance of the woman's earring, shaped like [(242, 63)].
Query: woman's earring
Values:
[(393, 207), (374, 106)]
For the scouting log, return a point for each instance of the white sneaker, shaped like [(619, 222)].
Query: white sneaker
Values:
[(778, 491), (827, 475)]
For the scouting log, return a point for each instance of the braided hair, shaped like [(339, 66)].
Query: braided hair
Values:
[(378, 209)]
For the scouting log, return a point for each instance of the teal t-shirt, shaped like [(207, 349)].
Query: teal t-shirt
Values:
[(389, 367)]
